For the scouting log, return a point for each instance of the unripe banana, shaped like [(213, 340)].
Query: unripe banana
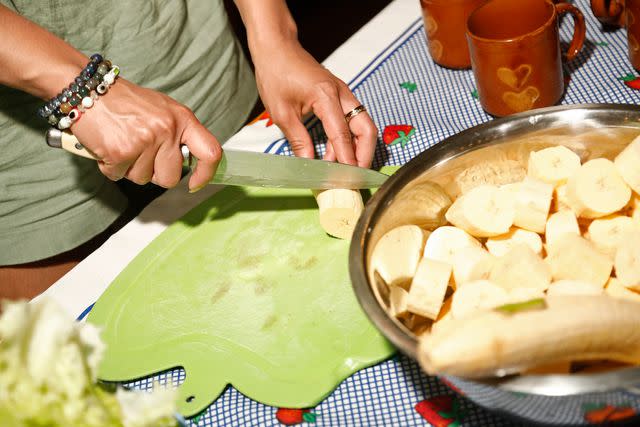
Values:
[(627, 260), (607, 233), (470, 264)]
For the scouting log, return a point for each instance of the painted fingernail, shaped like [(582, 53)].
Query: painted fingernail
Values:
[(194, 190)]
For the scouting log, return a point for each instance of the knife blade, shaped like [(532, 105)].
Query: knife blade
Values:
[(247, 168)]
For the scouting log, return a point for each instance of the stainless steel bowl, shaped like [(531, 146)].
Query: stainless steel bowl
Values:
[(592, 130)]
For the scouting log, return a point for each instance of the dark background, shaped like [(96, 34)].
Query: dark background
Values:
[(323, 25)]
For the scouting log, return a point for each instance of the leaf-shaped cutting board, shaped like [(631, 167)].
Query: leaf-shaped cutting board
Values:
[(248, 290)]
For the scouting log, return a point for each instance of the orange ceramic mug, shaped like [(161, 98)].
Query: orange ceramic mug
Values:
[(625, 13), (445, 23), (609, 12), (515, 53)]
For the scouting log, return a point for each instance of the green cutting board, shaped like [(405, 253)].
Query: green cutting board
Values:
[(248, 290)]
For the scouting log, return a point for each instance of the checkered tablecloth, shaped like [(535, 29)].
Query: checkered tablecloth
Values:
[(402, 86)]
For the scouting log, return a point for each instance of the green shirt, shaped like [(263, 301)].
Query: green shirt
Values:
[(51, 201)]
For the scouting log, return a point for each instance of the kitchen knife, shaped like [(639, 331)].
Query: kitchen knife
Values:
[(258, 169)]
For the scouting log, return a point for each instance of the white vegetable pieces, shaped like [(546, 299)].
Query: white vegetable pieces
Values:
[(429, 287), (553, 165), (397, 253)]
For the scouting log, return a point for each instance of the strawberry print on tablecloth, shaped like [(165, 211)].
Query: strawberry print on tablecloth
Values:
[(441, 411), (292, 417), (397, 134)]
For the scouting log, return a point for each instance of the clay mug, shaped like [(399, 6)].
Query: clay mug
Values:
[(515, 53), (445, 24), (609, 12)]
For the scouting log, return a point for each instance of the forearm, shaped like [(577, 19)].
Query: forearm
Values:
[(34, 60), (268, 23)]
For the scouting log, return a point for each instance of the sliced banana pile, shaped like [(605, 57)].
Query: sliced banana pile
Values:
[(541, 270)]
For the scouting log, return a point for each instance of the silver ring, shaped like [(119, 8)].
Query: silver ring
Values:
[(351, 114)]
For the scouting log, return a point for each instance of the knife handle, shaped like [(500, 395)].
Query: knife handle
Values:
[(67, 141)]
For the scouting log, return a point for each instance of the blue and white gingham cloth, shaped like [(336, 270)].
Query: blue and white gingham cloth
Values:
[(442, 105)]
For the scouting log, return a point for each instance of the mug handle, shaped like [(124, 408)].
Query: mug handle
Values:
[(579, 32), (608, 11)]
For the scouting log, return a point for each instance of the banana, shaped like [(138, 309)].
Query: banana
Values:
[(532, 204), (496, 172), (597, 190), (627, 164), (511, 189), (422, 203), (500, 245), (517, 295), (575, 258), (444, 242), (553, 165), (428, 288), (607, 233), (521, 267), (484, 211), (560, 201), (339, 211), (559, 223), (616, 290), (627, 260), (477, 295), (564, 328), (574, 287), (398, 301), (471, 263), (397, 253)]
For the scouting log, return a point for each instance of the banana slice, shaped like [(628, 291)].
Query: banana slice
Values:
[(574, 287), (500, 245), (560, 201), (428, 288), (559, 223), (616, 290), (518, 295), (565, 328), (511, 189), (444, 242), (575, 258), (627, 261), (398, 298), (397, 253), (339, 211), (627, 164), (597, 189), (607, 233), (484, 211), (477, 295), (533, 204), (421, 203), (497, 172), (553, 165), (521, 268), (470, 264)]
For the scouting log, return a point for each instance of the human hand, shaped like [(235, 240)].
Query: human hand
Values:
[(292, 83), (136, 133)]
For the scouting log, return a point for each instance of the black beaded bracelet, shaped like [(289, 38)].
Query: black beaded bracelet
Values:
[(53, 110)]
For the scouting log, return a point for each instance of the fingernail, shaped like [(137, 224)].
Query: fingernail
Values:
[(194, 190)]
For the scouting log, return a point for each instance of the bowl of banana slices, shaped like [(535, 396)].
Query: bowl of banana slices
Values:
[(506, 260)]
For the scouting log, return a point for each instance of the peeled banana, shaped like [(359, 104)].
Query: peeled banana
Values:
[(484, 211), (397, 253), (560, 328), (339, 211)]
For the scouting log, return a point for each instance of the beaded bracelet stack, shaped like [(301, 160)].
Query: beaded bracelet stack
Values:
[(94, 80)]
